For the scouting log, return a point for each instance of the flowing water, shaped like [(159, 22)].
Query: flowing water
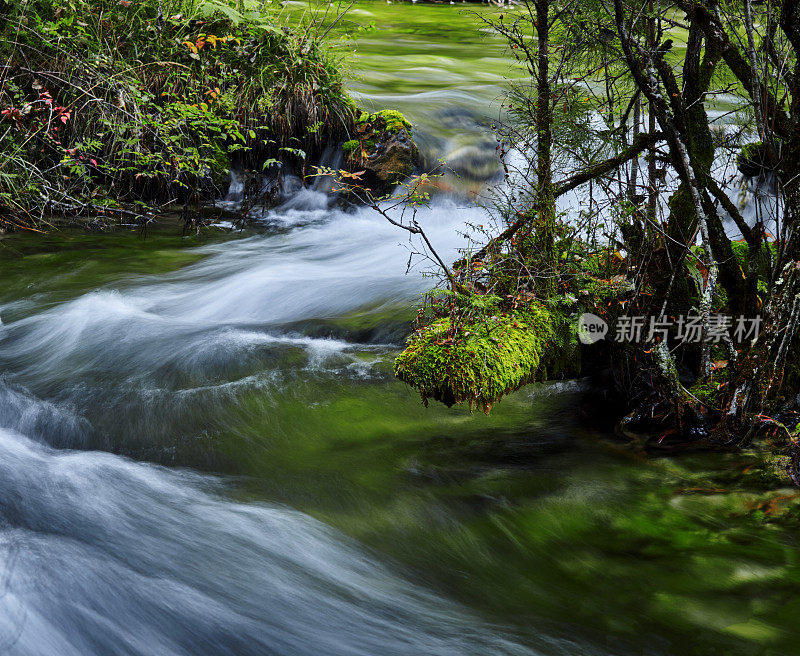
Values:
[(203, 450)]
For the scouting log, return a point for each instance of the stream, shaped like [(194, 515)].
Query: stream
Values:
[(203, 450)]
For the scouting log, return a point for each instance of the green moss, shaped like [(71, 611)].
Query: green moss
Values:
[(394, 120), (350, 146), (741, 250), (753, 159), (597, 293), (707, 391), (765, 256), (485, 360), (750, 150)]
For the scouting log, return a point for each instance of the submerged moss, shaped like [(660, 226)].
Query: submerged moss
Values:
[(486, 359)]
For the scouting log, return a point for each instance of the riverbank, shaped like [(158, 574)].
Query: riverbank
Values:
[(139, 114), (120, 109)]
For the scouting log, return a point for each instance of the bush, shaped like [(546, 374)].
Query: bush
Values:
[(106, 103)]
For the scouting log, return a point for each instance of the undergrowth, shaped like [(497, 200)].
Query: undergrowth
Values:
[(112, 107)]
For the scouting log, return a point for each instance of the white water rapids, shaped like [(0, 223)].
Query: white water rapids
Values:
[(100, 554)]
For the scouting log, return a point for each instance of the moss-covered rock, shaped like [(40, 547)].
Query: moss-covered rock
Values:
[(754, 160), (393, 121), (384, 150), (483, 361)]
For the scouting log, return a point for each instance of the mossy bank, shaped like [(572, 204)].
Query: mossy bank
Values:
[(475, 351), (121, 109)]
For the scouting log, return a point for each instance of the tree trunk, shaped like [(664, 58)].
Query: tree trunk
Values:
[(545, 201)]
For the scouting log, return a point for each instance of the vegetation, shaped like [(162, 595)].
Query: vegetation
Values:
[(267, 362), (121, 107), (491, 353), (383, 155), (618, 103), (393, 120)]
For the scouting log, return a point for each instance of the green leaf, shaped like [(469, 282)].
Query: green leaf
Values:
[(212, 7), (297, 152)]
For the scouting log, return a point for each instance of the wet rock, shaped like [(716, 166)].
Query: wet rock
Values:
[(469, 149), (384, 152), (477, 161), (755, 160)]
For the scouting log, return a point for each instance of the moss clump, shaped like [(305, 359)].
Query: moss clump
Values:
[(384, 152), (753, 160), (354, 146), (485, 359), (707, 391), (394, 120)]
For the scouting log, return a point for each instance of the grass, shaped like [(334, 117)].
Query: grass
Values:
[(112, 107)]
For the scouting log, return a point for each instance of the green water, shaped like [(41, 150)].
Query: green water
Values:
[(536, 518), (542, 524)]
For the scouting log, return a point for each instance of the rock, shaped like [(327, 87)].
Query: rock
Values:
[(384, 150), (476, 161), (755, 159), (393, 160)]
